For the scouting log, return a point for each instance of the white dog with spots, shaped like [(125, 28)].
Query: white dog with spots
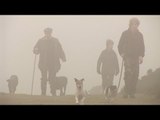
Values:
[(80, 94)]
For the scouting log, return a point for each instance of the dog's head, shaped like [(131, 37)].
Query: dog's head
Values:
[(79, 83), (13, 78)]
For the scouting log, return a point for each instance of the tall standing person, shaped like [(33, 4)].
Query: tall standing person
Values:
[(132, 50), (50, 52)]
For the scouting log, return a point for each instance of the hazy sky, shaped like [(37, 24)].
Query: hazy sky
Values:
[(83, 37)]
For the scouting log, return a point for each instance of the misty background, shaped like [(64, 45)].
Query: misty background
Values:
[(83, 37)]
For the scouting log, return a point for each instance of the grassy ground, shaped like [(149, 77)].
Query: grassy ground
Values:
[(20, 99)]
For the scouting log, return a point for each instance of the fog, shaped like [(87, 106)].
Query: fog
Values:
[(82, 37)]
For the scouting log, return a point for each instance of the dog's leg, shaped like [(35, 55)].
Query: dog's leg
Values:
[(64, 90), (76, 99)]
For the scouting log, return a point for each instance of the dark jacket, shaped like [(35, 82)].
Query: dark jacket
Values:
[(131, 44), (51, 52), (109, 62)]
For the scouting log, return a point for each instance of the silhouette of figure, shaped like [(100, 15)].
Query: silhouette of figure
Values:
[(12, 84), (149, 71), (61, 84), (50, 52), (107, 65), (131, 48)]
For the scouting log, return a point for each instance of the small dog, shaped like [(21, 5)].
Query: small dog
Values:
[(80, 94), (12, 84), (111, 92), (61, 84)]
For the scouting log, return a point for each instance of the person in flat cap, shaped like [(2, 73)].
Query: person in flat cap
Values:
[(50, 53), (132, 49)]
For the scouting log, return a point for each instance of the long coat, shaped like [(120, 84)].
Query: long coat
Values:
[(108, 62), (131, 44), (50, 52)]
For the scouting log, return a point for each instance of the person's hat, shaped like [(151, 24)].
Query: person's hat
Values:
[(48, 30)]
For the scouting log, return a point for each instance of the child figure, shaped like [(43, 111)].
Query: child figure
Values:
[(107, 66)]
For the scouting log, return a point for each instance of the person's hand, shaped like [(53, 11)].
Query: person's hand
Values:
[(140, 59), (116, 73), (64, 60)]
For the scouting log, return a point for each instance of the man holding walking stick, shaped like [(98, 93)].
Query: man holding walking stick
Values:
[(131, 48), (50, 52)]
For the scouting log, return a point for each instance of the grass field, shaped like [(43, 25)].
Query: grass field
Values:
[(20, 99)]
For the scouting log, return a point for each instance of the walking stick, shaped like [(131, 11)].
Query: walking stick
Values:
[(120, 73), (33, 73)]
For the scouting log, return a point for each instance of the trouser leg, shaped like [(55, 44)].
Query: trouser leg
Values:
[(43, 82), (104, 79), (127, 76), (52, 76), (107, 81), (135, 74), (131, 76), (127, 79)]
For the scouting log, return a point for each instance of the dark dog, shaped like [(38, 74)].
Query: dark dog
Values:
[(12, 84), (61, 84)]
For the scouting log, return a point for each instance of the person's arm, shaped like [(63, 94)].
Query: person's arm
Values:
[(62, 55), (36, 48), (61, 52), (141, 49), (121, 45), (99, 62)]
